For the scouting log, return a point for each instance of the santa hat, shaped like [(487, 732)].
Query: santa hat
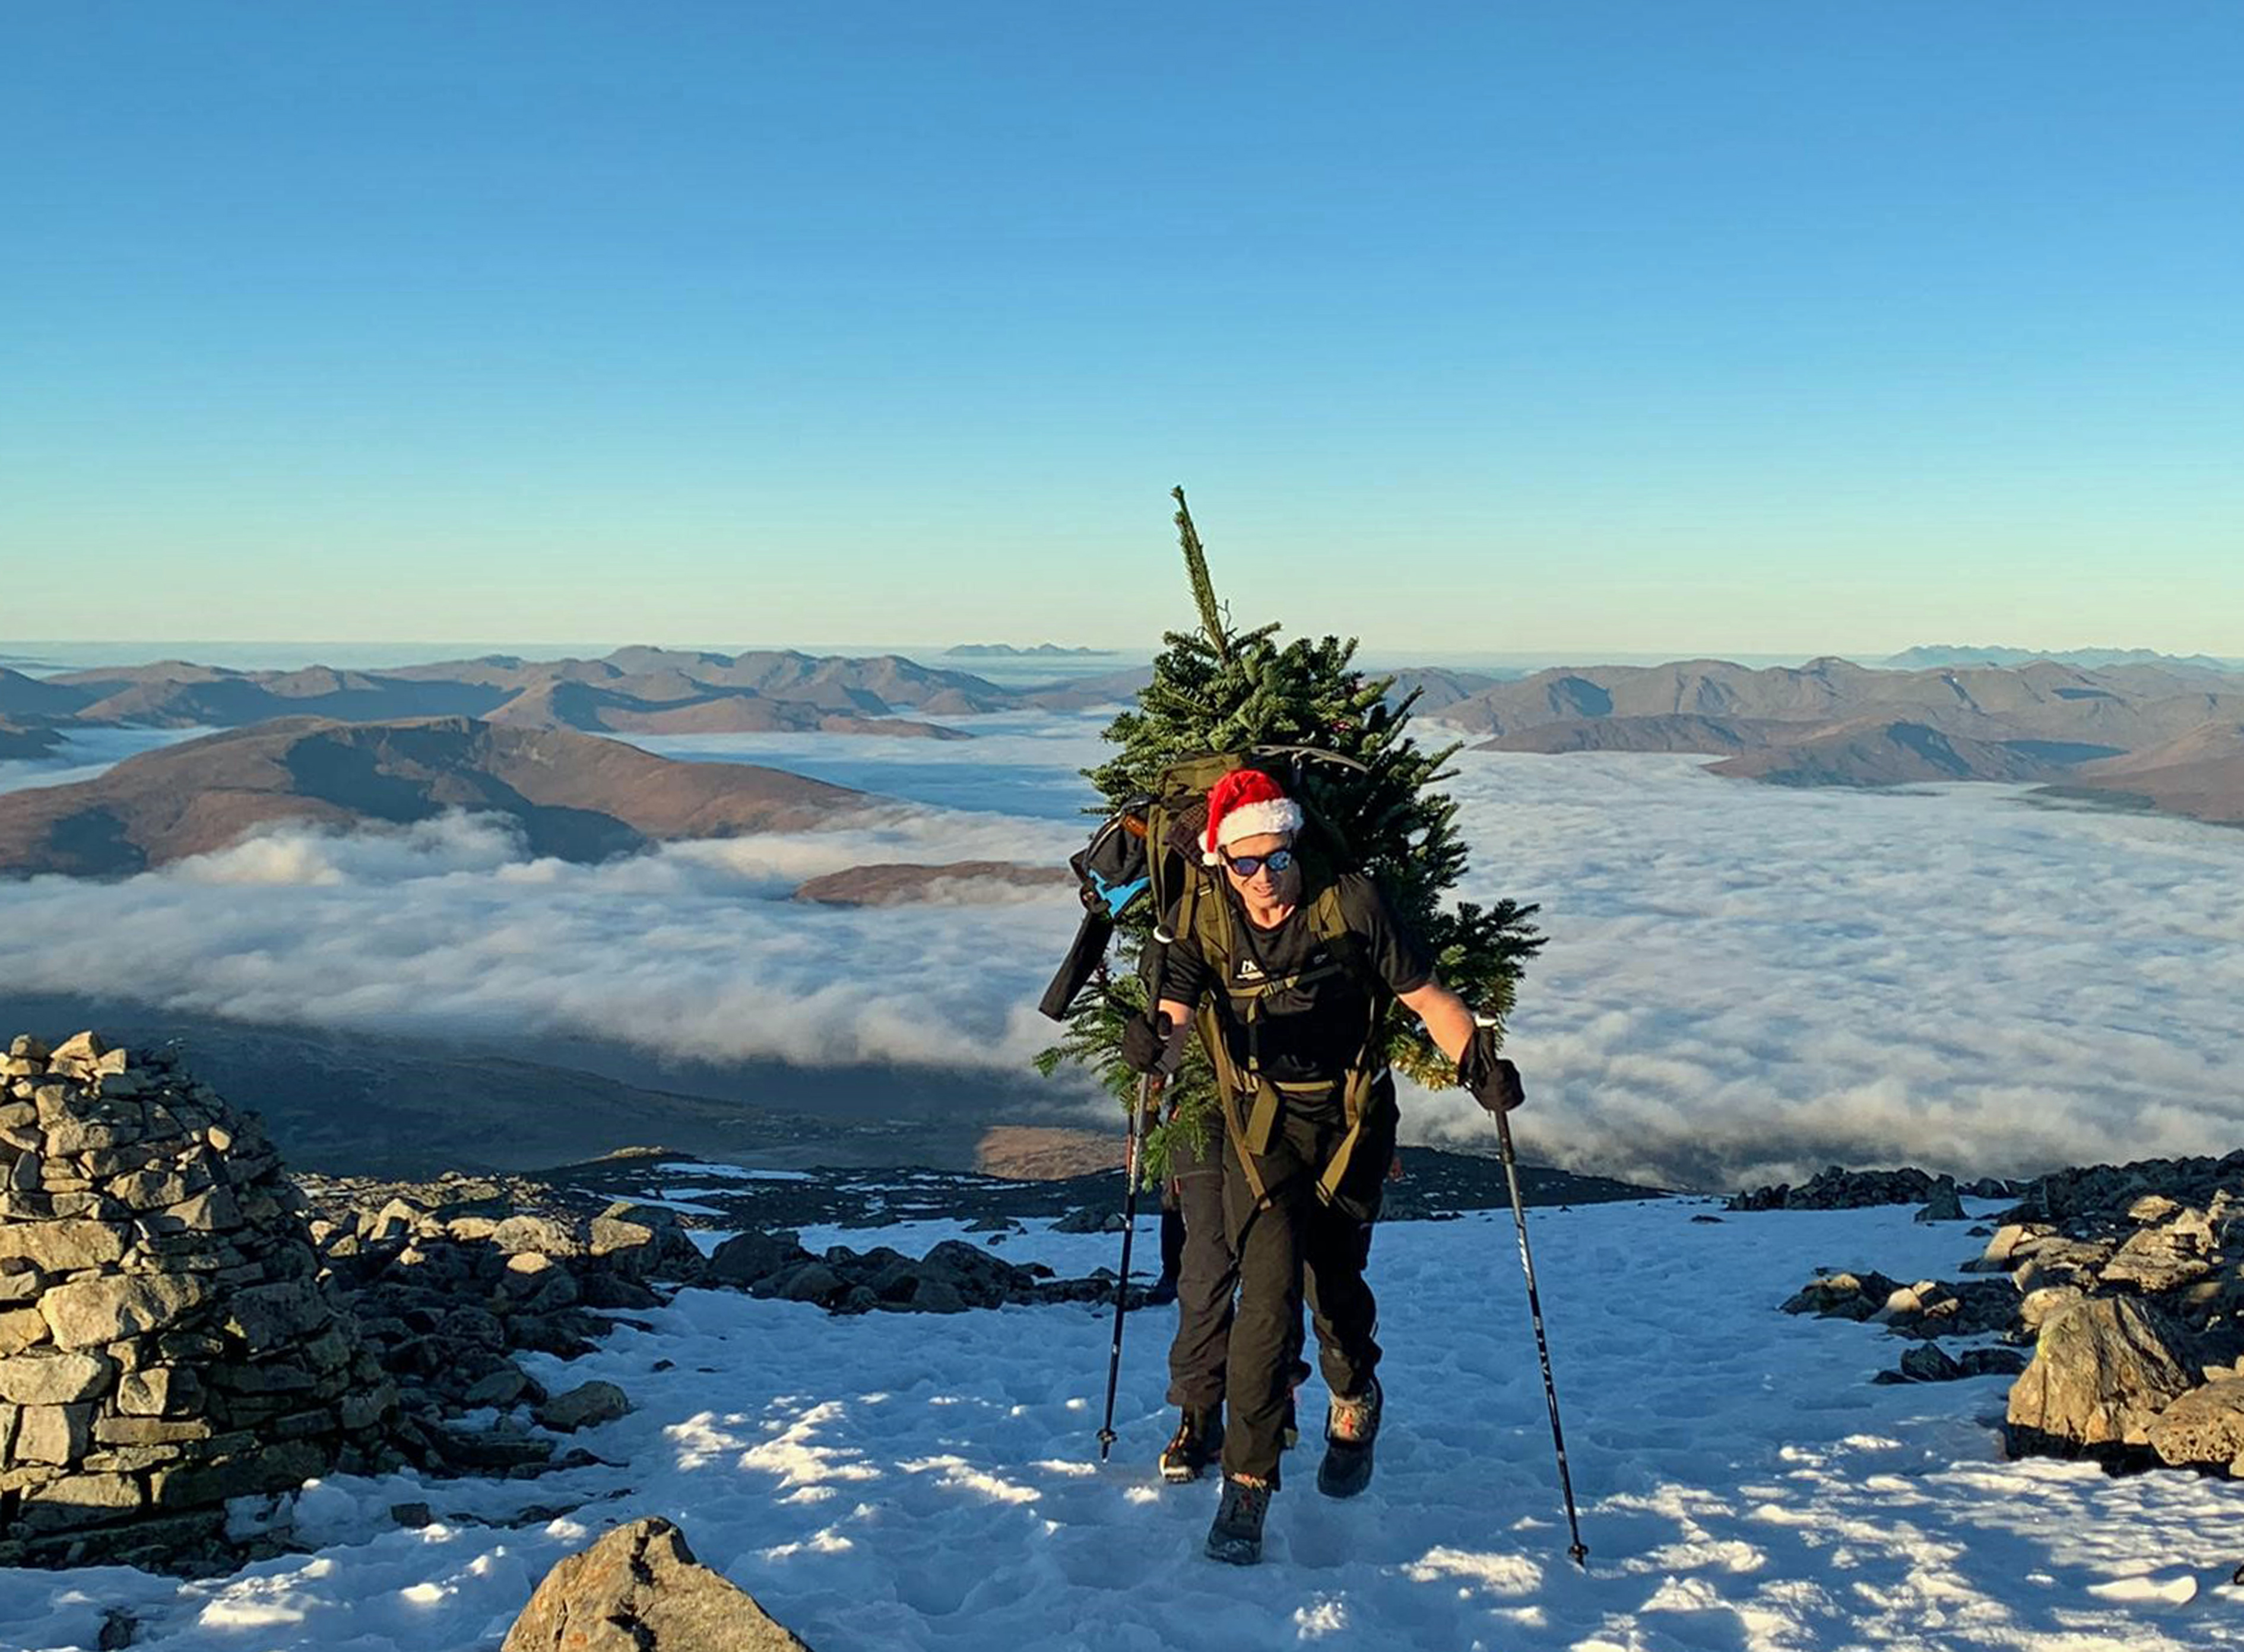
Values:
[(1246, 803)]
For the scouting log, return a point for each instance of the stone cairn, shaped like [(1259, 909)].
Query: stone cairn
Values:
[(167, 1342)]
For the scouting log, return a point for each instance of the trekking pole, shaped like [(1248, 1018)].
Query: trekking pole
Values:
[(1576, 1551), (1147, 1088)]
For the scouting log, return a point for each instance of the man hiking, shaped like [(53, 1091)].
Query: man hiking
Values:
[(1291, 968)]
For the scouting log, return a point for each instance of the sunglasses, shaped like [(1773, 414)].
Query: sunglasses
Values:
[(1246, 866)]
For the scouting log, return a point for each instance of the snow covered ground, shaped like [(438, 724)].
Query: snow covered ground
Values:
[(906, 1481)]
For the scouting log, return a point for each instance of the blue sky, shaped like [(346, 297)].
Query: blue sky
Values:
[(1639, 327)]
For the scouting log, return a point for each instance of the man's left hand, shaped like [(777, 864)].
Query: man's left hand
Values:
[(1493, 1080)]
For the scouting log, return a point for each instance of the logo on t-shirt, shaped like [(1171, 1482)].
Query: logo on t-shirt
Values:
[(1249, 970)]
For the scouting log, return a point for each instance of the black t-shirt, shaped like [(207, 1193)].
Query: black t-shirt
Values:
[(1310, 1033)]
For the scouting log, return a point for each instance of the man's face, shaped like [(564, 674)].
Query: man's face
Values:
[(1265, 882)]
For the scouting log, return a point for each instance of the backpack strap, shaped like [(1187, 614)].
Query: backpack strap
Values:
[(1250, 1099), (1330, 926)]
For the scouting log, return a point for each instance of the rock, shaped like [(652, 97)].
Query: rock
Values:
[(2163, 1258), (20, 1328), (395, 1220), (80, 1500), (1086, 1219), (1925, 1363), (88, 1313), (747, 1258), (2003, 1251), (1844, 1295), (586, 1405), (64, 1247), (53, 1434), (1932, 1308), (640, 1240), (639, 1589), (276, 1467), (2103, 1368), (50, 1377), (270, 1316), (88, 1047), (502, 1388), (1837, 1189), (1992, 1362), (413, 1516), (808, 1282), (982, 1280), (535, 1235), (936, 1296), (2203, 1428), (1945, 1205)]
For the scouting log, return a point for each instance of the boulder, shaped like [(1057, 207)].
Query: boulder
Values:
[(642, 1241), (1945, 1205), (747, 1258), (586, 1405), (639, 1589), (2165, 1258), (2103, 1368), (2204, 1428), (1088, 1219), (1843, 1296)]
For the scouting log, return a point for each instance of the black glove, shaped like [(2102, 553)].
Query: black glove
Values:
[(1146, 1041), (1493, 1081)]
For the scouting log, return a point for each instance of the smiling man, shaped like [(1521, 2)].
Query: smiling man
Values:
[(1291, 972)]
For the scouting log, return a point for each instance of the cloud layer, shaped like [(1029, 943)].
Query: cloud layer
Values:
[(1743, 982)]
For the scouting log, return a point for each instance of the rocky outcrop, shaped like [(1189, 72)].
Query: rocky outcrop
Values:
[(167, 1341), (2128, 1281), (1925, 1310), (450, 1280), (950, 1278), (1837, 1189), (639, 1589)]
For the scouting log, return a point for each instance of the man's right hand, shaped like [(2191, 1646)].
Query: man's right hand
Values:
[(1146, 1041)]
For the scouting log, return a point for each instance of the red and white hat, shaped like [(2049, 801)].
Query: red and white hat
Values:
[(1246, 803)]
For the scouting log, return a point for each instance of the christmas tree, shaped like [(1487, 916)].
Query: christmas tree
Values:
[(1215, 690)]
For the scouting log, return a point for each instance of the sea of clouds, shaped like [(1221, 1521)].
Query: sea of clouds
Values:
[(1743, 982)]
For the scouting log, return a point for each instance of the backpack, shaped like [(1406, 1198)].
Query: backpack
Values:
[(1152, 847)]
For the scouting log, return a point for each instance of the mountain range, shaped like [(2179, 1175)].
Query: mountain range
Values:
[(637, 690), (574, 796), (2166, 734), (1913, 659)]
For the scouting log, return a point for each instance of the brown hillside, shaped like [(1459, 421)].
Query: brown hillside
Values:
[(572, 795), (2201, 774)]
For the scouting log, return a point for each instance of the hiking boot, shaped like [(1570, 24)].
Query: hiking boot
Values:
[(1236, 1537), (1198, 1442), (1351, 1426)]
